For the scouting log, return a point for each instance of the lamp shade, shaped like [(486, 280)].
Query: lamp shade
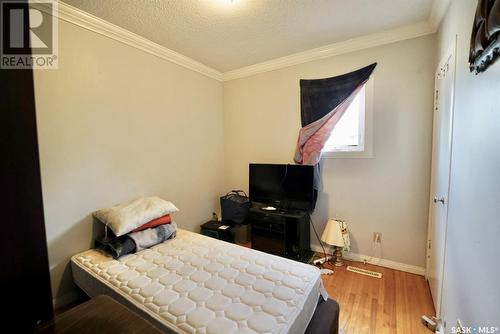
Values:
[(332, 235)]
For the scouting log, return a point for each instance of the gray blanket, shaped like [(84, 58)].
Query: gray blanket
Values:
[(153, 236), (116, 246)]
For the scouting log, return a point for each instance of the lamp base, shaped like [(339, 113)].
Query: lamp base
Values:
[(338, 257)]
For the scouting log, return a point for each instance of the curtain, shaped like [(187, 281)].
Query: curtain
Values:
[(322, 103)]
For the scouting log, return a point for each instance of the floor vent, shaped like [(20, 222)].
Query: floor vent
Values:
[(364, 272)]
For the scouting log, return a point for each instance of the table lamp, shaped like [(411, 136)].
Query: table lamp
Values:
[(335, 234)]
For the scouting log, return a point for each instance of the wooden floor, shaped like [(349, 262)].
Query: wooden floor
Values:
[(392, 304)]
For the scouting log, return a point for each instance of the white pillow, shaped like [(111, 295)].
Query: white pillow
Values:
[(128, 216)]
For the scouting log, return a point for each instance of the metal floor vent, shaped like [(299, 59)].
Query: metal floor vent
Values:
[(364, 272)]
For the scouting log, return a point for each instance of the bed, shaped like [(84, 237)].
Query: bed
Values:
[(196, 284)]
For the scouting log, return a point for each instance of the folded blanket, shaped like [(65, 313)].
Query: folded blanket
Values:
[(116, 246), (155, 222), (153, 236)]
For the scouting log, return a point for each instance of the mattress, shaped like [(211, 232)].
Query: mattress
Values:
[(196, 284)]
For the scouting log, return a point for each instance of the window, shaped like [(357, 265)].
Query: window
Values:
[(351, 135), (348, 134)]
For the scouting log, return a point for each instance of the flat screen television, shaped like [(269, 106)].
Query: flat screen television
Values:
[(282, 186)]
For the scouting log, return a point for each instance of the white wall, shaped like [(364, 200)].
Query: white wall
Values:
[(471, 290), (387, 193), (115, 123)]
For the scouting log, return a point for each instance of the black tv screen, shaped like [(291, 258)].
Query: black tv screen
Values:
[(283, 186)]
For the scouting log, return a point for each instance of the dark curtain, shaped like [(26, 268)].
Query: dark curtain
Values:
[(320, 96), (323, 102)]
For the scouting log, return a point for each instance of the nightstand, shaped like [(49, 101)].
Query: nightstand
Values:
[(218, 230)]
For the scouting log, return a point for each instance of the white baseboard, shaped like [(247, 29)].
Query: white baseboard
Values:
[(409, 268)]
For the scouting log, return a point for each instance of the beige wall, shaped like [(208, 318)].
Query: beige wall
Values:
[(470, 289), (387, 193), (115, 123)]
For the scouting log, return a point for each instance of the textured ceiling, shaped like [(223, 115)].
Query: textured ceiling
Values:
[(227, 35)]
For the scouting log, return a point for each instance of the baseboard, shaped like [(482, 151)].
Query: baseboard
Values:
[(409, 268), (66, 299)]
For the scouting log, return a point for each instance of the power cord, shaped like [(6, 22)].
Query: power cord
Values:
[(370, 259), (283, 205), (317, 236)]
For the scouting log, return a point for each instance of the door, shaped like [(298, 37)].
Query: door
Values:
[(440, 178), (24, 273)]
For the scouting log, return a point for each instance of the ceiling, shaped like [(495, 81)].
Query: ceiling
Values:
[(227, 35)]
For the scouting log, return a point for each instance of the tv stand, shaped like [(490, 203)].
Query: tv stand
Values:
[(280, 232)]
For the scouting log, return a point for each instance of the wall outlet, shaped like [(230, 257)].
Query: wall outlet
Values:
[(377, 237)]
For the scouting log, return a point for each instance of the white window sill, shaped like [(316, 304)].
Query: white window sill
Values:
[(347, 155)]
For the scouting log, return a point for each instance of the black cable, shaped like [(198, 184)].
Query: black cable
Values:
[(281, 190), (317, 236)]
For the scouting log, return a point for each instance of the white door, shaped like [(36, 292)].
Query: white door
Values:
[(440, 180)]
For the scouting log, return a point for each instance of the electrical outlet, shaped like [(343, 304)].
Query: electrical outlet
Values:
[(377, 237)]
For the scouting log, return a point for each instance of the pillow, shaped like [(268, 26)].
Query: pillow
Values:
[(123, 218), (155, 222)]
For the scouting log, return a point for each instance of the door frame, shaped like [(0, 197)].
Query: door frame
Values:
[(450, 53)]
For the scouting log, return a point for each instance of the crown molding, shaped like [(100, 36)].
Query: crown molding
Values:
[(437, 13), (90, 22), (354, 44)]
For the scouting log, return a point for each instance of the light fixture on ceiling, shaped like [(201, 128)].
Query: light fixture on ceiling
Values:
[(225, 5)]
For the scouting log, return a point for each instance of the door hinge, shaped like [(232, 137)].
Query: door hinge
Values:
[(439, 199), (436, 98)]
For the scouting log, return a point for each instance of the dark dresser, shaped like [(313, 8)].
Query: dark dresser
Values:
[(281, 232)]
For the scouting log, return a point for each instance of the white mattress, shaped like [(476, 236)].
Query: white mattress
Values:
[(196, 284)]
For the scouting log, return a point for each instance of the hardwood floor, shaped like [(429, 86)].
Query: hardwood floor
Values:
[(392, 304)]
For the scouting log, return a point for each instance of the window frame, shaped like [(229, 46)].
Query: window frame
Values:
[(365, 150)]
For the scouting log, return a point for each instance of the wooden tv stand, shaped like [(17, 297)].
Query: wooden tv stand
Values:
[(281, 232)]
